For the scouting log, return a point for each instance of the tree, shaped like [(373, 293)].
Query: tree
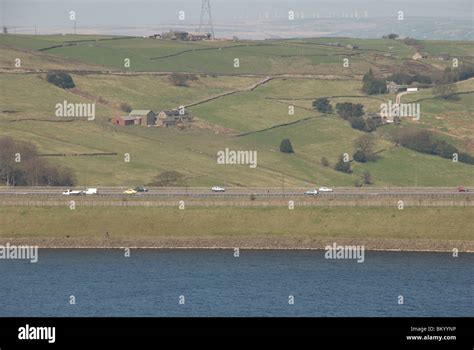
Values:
[(286, 147), (391, 36), (60, 79), (445, 91), (20, 165), (178, 79), (368, 76), (347, 110), (364, 146), (425, 141), (181, 79), (343, 166), (370, 125), (125, 107), (169, 179), (358, 123), (367, 178), (325, 161), (322, 105), (465, 158), (372, 85)]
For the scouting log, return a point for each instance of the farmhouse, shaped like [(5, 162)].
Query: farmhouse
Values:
[(443, 57), (126, 120), (155, 36), (185, 36), (147, 117), (172, 117), (175, 35), (418, 56), (197, 36), (392, 87)]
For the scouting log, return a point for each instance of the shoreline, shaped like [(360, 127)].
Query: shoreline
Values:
[(376, 245), (377, 229)]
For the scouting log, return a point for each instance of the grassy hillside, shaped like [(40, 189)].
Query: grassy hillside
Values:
[(27, 110), (267, 57)]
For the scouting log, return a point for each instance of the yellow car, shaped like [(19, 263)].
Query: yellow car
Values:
[(130, 191)]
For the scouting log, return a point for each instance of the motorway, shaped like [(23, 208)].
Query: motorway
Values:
[(201, 192)]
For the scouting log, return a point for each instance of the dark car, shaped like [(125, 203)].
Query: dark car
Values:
[(141, 189)]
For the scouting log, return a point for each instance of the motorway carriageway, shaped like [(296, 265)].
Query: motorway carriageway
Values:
[(237, 192)]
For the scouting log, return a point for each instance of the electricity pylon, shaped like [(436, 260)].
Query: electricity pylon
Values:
[(206, 12)]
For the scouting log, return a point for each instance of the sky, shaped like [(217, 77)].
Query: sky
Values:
[(26, 14)]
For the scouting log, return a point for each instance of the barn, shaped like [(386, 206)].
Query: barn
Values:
[(147, 117), (126, 120)]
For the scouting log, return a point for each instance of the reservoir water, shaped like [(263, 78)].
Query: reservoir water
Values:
[(152, 282)]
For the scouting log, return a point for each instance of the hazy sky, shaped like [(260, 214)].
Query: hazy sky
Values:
[(26, 14)]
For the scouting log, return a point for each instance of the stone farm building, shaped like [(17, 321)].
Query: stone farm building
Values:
[(185, 36), (165, 118), (147, 117), (172, 117), (418, 56), (197, 36), (126, 120), (392, 87)]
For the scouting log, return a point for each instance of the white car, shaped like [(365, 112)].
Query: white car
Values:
[(68, 192), (325, 189), (311, 192), (217, 189)]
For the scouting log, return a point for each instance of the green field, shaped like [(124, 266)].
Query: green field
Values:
[(27, 110)]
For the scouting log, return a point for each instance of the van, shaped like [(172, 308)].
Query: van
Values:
[(90, 191)]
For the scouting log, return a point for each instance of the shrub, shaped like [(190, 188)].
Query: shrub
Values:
[(181, 79), (465, 158), (348, 110), (325, 161), (360, 157), (357, 123), (60, 79), (425, 142), (322, 105), (286, 147), (343, 166), (367, 178), (445, 91)]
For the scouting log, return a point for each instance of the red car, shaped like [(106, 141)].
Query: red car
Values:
[(462, 189)]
